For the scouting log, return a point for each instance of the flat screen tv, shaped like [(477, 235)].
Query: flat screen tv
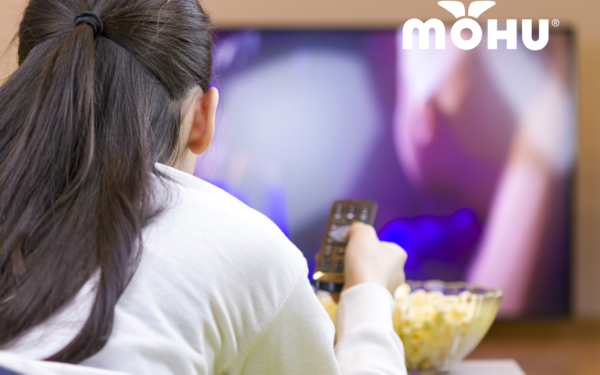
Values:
[(470, 154)]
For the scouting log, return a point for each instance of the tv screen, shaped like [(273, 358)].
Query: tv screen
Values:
[(469, 154)]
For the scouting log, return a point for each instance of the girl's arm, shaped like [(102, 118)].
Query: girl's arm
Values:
[(300, 339)]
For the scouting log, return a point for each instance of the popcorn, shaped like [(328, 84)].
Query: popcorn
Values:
[(328, 303), (430, 324)]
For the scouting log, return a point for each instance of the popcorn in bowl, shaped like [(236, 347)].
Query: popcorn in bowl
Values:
[(439, 323)]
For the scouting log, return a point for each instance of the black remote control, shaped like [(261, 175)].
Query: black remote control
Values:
[(329, 272)]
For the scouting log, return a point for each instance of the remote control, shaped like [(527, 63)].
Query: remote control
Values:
[(329, 272)]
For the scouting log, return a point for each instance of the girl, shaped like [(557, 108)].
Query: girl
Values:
[(113, 258)]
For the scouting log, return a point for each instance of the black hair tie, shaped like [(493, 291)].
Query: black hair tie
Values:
[(91, 19)]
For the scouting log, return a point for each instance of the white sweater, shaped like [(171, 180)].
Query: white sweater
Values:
[(220, 290)]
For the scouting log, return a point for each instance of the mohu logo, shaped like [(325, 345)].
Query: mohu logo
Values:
[(476, 9)]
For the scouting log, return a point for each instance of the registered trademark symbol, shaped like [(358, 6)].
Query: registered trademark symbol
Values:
[(555, 23)]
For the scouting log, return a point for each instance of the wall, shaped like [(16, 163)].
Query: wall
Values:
[(10, 11), (582, 15)]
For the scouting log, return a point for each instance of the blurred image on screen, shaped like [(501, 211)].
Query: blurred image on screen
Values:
[(469, 154)]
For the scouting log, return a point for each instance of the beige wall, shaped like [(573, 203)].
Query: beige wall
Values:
[(583, 15), (10, 11)]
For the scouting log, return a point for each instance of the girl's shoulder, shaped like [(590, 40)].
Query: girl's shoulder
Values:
[(205, 219), (213, 268)]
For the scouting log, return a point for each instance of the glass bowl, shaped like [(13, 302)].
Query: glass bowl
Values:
[(439, 323)]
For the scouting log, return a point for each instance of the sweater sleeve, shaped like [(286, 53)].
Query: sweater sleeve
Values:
[(366, 341), (299, 340)]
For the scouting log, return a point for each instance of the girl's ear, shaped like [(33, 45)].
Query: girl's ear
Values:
[(203, 115)]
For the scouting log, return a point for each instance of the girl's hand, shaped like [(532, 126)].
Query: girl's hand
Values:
[(369, 260)]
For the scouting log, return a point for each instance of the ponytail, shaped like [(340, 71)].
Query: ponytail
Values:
[(82, 123)]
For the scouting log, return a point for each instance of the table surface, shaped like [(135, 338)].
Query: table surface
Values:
[(487, 367), (544, 346)]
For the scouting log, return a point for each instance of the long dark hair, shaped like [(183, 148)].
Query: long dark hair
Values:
[(83, 120)]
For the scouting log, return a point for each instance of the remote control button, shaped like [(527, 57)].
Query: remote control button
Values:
[(329, 240), (328, 251), (339, 234), (338, 265), (324, 265), (337, 211), (341, 250), (351, 211), (364, 214)]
